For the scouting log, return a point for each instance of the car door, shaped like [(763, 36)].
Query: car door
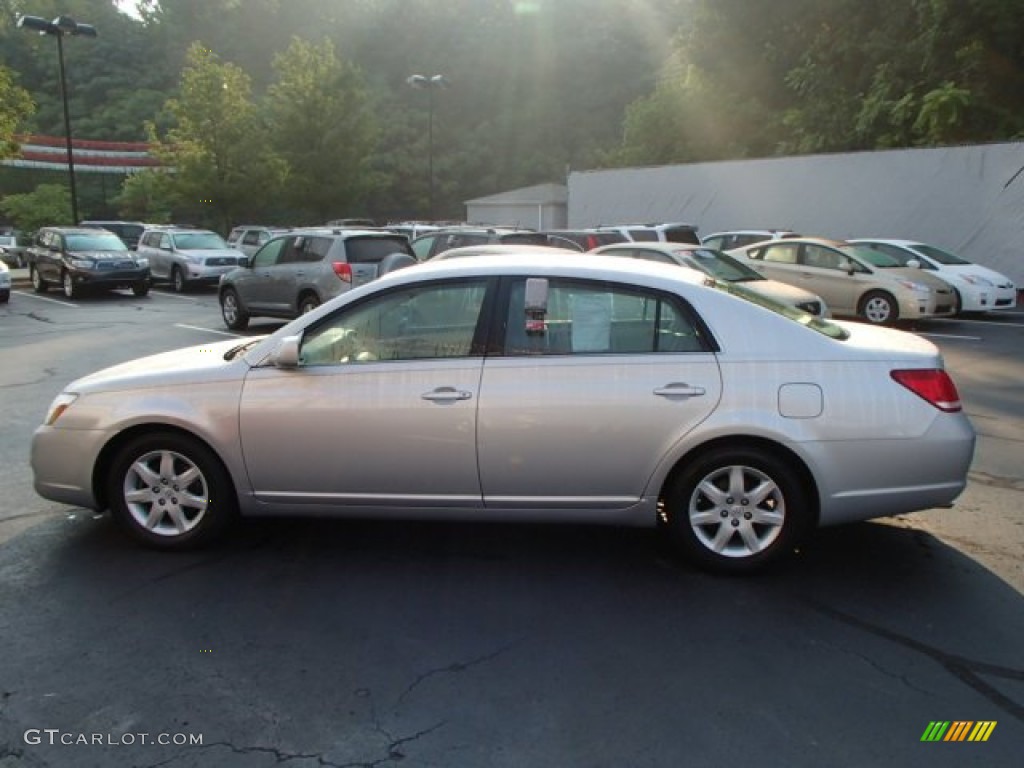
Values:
[(380, 410), (827, 272), (589, 395), (257, 286), (45, 257)]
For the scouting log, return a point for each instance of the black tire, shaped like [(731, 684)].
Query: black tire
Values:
[(38, 284), (178, 281), (958, 303), (67, 284), (308, 303), (734, 529), (879, 308), (169, 491), (231, 309), (141, 288)]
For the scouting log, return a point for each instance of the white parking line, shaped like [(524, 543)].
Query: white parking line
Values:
[(34, 295), (166, 295), (208, 330), (949, 336)]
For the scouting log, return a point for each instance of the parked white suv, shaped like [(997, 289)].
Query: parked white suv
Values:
[(670, 232)]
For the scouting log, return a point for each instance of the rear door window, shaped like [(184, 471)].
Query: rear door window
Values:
[(370, 250)]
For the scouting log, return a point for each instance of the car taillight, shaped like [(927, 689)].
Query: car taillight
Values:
[(343, 270), (931, 384)]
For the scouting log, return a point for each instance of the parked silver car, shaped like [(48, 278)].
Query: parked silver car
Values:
[(185, 257), (296, 272), (523, 388), (855, 280), (722, 266)]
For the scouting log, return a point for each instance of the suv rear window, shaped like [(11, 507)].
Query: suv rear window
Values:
[(681, 235), (525, 238), (370, 250)]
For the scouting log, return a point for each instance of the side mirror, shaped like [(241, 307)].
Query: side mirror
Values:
[(914, 264), (287, 353)]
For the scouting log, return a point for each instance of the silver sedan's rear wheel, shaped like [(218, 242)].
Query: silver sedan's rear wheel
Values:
[(170, 491), (735, 510)]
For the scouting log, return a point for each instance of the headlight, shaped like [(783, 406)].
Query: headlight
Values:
[(192, 259), (977, 280), (916, 287), (82, 263), (60, 404), (142, 262)]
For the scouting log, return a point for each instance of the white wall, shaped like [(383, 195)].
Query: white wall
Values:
[(969, 200)]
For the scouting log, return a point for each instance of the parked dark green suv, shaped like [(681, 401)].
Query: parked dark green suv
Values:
[(79, 258)]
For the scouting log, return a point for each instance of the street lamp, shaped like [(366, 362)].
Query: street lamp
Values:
[(59, 27), (420, 82)]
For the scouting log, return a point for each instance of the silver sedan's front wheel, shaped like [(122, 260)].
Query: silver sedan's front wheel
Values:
[(170, 491), (736, 509)]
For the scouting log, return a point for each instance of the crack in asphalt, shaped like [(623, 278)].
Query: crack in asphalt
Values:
[(967, 671), (50, 373), (878, 667), (455, 667)]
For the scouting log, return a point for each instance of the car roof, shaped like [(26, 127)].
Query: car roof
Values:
[(498, 249), (76, 230)]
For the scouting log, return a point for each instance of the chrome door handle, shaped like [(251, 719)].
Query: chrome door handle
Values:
[(677, 389), (446, 395)]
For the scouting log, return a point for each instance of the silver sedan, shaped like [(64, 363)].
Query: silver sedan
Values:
[(523, 388)]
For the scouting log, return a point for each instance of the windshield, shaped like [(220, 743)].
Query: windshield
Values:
[(939, 255), (718, 264), (824, 327), (101, 241), (869, 255), (196, 241)]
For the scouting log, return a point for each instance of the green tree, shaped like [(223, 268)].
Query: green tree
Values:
[(224, 169), (320, 122), (147, 196), (48, 205), (15, 107)]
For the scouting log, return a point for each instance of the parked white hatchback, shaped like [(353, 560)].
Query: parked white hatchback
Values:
[(523, 388), (978, 288)]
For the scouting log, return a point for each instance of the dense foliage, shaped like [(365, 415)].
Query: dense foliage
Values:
[(298, 110)]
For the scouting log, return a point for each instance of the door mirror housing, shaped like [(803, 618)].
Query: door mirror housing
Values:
[(287, 353)]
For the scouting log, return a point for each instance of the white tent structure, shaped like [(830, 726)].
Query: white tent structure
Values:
[(969, 199)]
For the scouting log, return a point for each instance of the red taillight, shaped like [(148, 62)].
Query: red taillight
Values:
[(931, 384), (343, 270)]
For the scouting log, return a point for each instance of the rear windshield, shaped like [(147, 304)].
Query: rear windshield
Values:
[(824, 327), (681, 235), (370, 250), (525, 238), (718, 264), (101, 241)]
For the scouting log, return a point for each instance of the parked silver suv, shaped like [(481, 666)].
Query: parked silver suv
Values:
[(297, 271), (185, 257), (248, 238)]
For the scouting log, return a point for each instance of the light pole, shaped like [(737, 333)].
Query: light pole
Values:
[(59, 27), (431, 84)]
